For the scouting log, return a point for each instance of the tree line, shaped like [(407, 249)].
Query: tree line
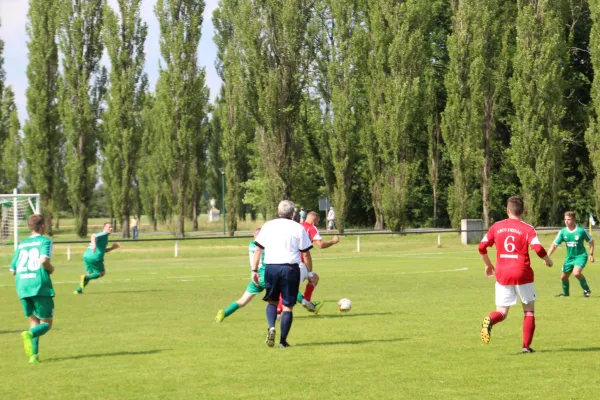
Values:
[(412, 113)]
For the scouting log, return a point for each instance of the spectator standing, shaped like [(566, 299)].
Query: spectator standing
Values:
[(134, 227), (331, 219)]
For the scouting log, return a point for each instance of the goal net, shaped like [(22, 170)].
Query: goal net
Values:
[(15, 208)]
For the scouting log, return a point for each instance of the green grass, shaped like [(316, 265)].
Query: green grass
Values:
[(145, 331)]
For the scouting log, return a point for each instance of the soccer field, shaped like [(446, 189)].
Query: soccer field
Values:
[(146, 331)]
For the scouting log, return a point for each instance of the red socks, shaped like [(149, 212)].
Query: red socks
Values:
[(308, 291), (496, 316), (528, 329)]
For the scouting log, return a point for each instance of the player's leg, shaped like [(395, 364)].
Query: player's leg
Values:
[(564, 279), (94, 270), (527, 295), (578, 273), (311, 306), (289, 292), (40, 322), (506, 296), (272, 278), (236, 305)]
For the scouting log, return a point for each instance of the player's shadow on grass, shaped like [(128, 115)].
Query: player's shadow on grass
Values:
[(8, 332), (344, 315), (125, 292), (576, 350), (100, 355), (349, 342)]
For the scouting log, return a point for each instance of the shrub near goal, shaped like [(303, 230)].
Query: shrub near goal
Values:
[(15, 208)]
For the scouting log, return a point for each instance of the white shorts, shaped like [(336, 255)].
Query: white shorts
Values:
[(303, 272), (506, 295)]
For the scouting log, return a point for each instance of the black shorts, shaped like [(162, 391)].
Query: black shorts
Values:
[(284, 280)]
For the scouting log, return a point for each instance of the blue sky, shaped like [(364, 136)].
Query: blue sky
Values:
[(14, 18)]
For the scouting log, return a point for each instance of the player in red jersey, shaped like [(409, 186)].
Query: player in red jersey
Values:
[(312, 219), (513, 272)]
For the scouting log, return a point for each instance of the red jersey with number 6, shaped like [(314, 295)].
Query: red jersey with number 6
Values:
[(512, 238)]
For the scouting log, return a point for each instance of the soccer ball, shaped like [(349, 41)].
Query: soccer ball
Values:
[(344, 305)]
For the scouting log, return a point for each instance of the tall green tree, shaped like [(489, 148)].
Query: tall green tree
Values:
[(82, 90), (124, 35), (592, 135), (537, 88), (490, 54), (10, 142), (340, 55), (275, 49), (179, 97), (153, 181), (44, 140), (237, 128), (461, 132)]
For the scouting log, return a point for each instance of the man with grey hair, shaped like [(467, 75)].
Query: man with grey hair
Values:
[(283, 240)]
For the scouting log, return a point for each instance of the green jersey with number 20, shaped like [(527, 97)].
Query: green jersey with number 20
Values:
[(30, 276)]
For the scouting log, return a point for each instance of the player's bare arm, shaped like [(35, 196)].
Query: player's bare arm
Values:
[(255, 264), (489, 267), (323, 244), (93, 243), (45, 261), (113, 247), (591, 255), (552, 249)]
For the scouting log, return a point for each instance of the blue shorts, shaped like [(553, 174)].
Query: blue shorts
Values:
[(284, 280)]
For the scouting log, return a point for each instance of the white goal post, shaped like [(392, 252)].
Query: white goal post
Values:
[(15, 207)]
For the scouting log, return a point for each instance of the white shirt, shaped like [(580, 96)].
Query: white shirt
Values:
[(331, 215), (283, 240)]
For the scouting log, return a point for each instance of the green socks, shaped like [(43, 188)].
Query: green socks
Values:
[(39, 330), (231, 309), (583, 283), (299, 298), (36, 345), (565, 286), (93, 275)]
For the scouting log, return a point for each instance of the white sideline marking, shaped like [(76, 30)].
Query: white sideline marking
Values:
[(237, 277)]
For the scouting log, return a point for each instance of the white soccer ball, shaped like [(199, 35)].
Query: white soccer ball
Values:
[(344, 305)]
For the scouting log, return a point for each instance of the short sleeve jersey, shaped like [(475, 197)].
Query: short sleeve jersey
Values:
[(283, 240), (251, 250), (574, 240), (312, 231), (101, 243), (31, 278), (512, 239)]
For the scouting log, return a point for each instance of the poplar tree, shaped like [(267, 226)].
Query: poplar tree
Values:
[(537, 88), (179, 103), (44, 140), (276, 55), (460, 130), (81, 93), (236, 126), (592, 135), (10, 142), (340, 55), (124, 35)]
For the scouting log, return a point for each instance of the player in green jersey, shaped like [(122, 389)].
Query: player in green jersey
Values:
[(32, 268), (252, 289), (93, 258), (574, 237)]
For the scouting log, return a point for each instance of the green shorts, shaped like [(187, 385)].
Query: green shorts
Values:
[(93, 265), (40, 306), (253, 289), (571, 263)]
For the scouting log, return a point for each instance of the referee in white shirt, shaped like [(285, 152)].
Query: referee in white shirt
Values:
[(283, 240)]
